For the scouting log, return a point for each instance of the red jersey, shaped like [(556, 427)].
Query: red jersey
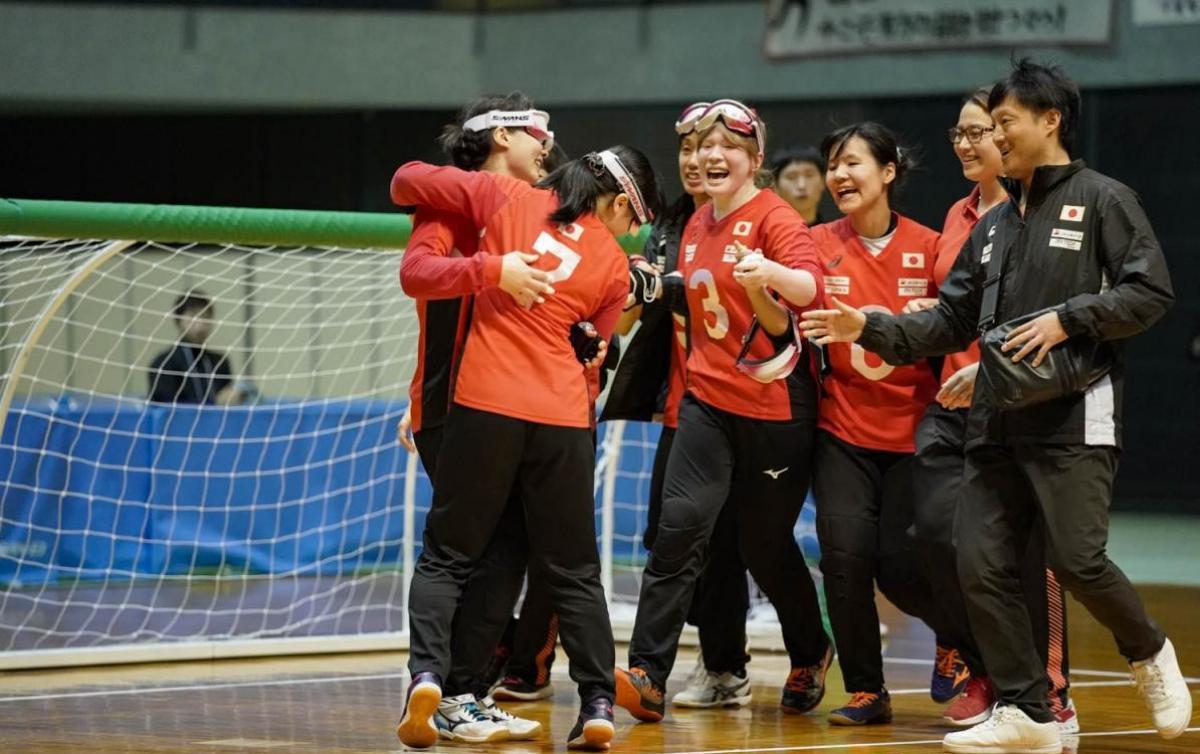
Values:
[(676, 380), (440, 271), (959, 221), (719, 310), (866, 401), (519, 362)]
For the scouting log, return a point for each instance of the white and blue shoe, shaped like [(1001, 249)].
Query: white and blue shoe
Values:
[(459, 718)]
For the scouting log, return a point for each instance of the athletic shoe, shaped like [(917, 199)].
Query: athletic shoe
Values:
[(864, 708), (1067, 719), (594, 728), (513, 689), (973, 705), (519, 729), (950, 675), (1166, 693), (805, 687), (417, 729), (1007, 731), (638, 694), (459, 718), (715, 690)]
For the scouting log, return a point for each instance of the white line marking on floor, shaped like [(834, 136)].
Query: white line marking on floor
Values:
[(876, 744), (201, 687)]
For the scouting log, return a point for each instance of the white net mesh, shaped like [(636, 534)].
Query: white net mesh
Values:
[(126, 521)]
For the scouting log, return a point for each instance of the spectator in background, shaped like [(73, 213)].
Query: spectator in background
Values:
[(800, 180), (188, 371)]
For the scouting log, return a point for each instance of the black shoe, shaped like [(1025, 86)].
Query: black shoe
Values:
[(417, 729), (805, 687), (638, 694), (594, 729)]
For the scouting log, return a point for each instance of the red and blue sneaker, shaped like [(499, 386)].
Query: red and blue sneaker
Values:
[(805, 687), (640, 695)]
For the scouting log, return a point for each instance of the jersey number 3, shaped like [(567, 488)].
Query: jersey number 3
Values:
[(711, 303), (568, 257)]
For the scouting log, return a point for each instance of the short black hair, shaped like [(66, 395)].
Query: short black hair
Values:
[(193, 300), (1041, 88), (581, 182), (784, 157), (468, 150)]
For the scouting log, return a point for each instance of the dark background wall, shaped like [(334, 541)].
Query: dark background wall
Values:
[(343, 160)]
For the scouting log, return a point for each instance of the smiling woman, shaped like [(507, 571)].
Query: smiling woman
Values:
[(744, 439)]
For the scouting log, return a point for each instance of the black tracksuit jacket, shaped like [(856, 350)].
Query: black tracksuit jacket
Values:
[(1084, 247)]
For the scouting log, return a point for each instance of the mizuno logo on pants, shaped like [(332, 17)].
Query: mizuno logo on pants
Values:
[(775, 473)]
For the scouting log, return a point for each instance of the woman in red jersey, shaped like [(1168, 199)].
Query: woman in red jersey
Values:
[(862, 482), (941, 441), (441, 272), (521, 417), (746, 256), (650, 384)]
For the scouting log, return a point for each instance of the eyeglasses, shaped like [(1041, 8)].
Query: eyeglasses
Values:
[(535, 122), (974, 134), (737, 117), (686, 122)]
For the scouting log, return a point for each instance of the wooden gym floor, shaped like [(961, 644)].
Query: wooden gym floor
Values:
[(350, 703)]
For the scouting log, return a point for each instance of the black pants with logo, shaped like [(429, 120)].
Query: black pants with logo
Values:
[(721, 599), (550, 470), (1004, 490), (864, 511), (762, 469), (937, 481)]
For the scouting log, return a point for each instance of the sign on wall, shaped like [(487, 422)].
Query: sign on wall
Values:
[(1165, 12), (839, 27)]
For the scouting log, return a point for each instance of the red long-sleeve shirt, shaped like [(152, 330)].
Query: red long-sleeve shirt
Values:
[(519, 362)]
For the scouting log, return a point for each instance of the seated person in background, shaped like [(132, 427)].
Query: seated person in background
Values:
[(188, 372)]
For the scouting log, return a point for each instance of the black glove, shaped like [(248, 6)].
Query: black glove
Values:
[(586, 341), (646, 287)]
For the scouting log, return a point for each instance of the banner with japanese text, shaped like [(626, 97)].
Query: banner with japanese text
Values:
[(839, 27)]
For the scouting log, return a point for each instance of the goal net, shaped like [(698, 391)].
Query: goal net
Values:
[(285, 522)]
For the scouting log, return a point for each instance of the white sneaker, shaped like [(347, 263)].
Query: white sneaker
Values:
[(714, 690), (1007, 731), (459, 718), (1166, 693), (1068, 719), (519, 729)]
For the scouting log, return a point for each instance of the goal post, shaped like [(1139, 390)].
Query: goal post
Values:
[(134, 530)]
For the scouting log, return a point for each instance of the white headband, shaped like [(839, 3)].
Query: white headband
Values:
[(538, 119), (614, 166)]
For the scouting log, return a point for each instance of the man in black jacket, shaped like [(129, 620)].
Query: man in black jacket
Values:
[(1078, 244), (189, 371)]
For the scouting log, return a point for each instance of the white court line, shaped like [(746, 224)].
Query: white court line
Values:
[(1074, 671), (201, 687), (385, 676), (876, 744)]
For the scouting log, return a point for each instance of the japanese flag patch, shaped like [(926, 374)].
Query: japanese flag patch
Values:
[(912, 260), (1072, 213)]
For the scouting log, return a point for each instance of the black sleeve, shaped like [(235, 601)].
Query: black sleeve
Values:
[(165, 380), (222, 376), (1139, 291), (948, 327)]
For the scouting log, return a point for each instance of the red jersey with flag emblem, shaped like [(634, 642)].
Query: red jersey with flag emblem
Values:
[(959, 221), (719, 310), (866, 401), (519, 362)]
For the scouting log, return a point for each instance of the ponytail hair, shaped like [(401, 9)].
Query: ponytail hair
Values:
[(880, 141), (581, 182), (468, 150)]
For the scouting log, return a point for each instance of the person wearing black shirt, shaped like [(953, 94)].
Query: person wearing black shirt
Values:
[(799, 174), (189, 371), (1076, 246)]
